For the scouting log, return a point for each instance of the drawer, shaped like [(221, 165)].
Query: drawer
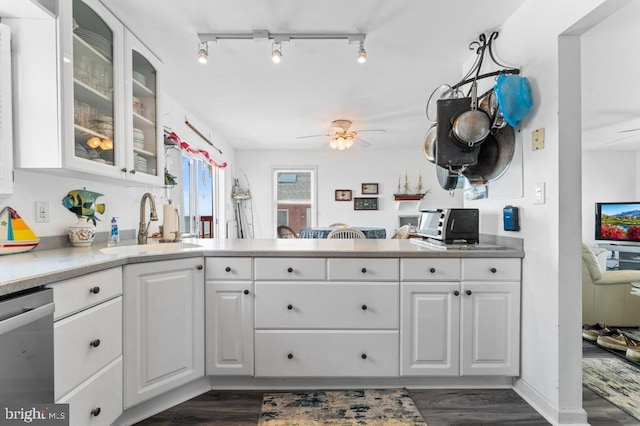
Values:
[(97, 401), (491, 269), (365, 269), (229, 268), (341, 305), (321, 353), (430, 269), (76, 294), (75, 358), (290, 269)]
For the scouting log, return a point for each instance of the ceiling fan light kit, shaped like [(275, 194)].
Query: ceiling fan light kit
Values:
[(278, 39)]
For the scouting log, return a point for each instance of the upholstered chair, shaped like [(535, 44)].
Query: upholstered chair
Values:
[(606, 296)]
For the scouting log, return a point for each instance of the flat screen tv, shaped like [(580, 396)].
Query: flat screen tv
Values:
[(618, 221)]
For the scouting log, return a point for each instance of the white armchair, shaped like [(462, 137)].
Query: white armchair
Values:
[(606, 296)]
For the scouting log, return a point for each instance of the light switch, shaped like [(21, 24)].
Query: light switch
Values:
[(539, 196), (537, 139)]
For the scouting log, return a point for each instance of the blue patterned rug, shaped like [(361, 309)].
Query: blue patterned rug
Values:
[(371, 407), (614, 380)]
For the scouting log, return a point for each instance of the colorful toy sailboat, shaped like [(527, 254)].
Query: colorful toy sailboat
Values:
[(15, 235)]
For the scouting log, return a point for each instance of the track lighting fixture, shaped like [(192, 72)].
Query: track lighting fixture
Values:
[(203, 52), (276, 52), (362, 54), (262, 36)]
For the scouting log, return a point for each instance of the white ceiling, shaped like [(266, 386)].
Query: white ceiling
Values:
[(248, 102)]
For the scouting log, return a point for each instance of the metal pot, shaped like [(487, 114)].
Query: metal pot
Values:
[(447, 178), (494, 158), (472, 126), (430, 143)]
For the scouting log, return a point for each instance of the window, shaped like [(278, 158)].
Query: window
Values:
[(295, 197), (198, 197)]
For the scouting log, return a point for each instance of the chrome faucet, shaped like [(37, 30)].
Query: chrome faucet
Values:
[(144, 227)]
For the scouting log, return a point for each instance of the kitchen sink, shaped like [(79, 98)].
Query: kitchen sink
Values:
[(148, 248)]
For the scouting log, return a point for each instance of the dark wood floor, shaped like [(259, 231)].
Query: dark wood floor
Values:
[(494, 407)]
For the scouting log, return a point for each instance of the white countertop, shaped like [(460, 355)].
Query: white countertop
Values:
[(31, 269)]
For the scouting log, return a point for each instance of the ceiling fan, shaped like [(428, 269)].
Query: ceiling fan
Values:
[(342, 138)]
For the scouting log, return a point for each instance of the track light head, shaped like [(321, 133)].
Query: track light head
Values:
[(276, 52), (362, 54), (203, 52)]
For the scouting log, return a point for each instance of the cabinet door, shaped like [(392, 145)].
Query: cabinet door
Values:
[(92, 81), (229, 328), (142, 111), (490, 343), (163, 327), (429, 329)]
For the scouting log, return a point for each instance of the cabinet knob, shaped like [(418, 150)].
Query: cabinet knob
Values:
[(363, 356), (432, 270), (290, 355), (94, 290), (289, 269), (246, 292), (132, 171), (468, 292), (228, 269), (123, 170), (364, 270), (95, 343), (364, 307), (96, 412), (289, 307), (493, 270), (456, 293), (199, 267)]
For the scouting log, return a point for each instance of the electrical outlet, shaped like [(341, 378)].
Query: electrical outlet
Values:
[(539, 193), (42, 211)]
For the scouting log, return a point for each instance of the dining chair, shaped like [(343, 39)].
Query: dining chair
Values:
[(286, 232), (402, 232), (338, 225), (344, 233)]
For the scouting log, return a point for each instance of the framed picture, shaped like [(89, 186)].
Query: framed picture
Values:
[(369, 188), (343, 195), (365, 203)]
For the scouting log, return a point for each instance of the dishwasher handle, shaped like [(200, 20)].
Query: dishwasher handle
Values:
[(25, 318)]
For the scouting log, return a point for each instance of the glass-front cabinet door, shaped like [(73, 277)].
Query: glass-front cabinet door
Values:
[(93, 139), (142, 111)]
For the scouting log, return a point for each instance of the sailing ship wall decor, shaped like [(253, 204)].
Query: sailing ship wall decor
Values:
[(15, 235), (405, 194)]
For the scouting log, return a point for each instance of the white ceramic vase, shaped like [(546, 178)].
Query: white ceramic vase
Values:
[(82, 233)]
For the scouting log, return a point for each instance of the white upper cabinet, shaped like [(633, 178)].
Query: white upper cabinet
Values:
[(108, 88)]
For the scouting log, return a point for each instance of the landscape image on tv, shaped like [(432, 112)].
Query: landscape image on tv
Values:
[(620, 222)]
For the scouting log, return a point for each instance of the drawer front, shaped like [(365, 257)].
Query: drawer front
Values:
[(86, 342), (76, 294), (290, 269), (334, 305), (491, 269), (326, 353), (430, 269), (229, 268), (363, 269), (98, 401)]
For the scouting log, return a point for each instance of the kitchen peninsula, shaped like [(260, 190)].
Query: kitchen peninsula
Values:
[(270, 314)]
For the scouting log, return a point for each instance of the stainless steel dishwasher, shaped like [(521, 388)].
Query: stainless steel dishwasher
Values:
[(26, 347)]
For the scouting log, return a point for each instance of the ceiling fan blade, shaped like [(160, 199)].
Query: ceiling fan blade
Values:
[(629, 130), (365, 143), (371, 130), (311, 136)]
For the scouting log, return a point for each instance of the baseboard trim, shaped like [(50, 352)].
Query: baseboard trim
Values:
[(576, 416)]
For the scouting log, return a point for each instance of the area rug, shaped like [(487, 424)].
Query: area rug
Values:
[(614, 380), (371, 407)]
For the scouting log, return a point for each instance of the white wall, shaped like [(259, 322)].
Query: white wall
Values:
[(343, 170), (551, 314), (606, 177), (120, 200)]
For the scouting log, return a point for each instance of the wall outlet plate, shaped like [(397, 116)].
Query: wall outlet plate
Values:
[(537, 139), (42, 211)]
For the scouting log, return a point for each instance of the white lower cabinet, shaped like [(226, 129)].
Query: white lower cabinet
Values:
[(462, 328), (163, 327), (88, 347)]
